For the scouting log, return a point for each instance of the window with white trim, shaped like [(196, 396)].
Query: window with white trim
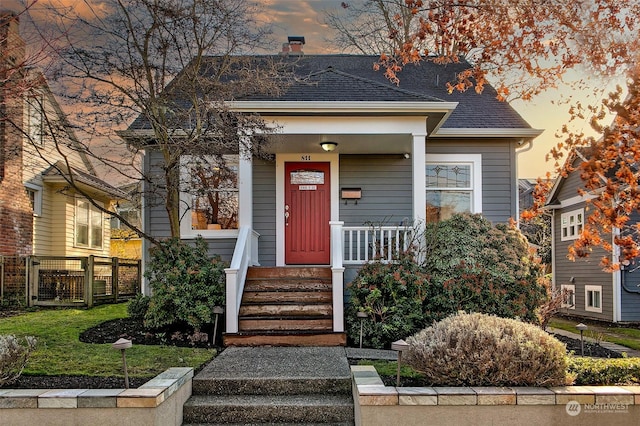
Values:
[(209, 194), (88, 225), (593, 298), (35, 197), (35, 119), (571, 224), (453, 185), (568, 294)]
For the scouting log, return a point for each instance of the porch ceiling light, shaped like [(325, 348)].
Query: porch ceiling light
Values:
[(328, 146)]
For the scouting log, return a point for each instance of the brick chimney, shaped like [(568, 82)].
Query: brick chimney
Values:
[(16, 214), (293, 46)]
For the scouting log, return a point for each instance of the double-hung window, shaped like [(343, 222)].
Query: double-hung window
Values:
[(88, 225), (35, 119), (571, 224), (34, 192), (209, 194), (568, 294), (454, 185), (593, 298)]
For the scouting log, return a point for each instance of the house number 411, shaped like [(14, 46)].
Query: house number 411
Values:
[(305, 158)]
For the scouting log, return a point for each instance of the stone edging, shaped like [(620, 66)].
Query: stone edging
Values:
[(371, 391), (150, 395)]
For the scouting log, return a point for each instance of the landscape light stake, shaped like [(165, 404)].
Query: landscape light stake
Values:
[(399, 345), (217, 310), (123, 344), (362, 316), (582, 328)]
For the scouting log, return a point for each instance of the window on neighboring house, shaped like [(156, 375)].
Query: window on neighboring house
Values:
[(35, 120), (593, 298), (568, 294), (454, 185), (571, 224), (130, 215), (35, 197), (88, 225), (209, 194)]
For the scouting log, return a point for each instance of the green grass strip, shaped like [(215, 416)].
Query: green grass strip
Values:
[(60, 352)]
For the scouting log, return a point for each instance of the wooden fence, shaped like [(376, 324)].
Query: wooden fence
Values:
[(69, 281)]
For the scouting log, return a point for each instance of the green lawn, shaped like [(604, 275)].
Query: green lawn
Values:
[(59, 350), (625, 336)]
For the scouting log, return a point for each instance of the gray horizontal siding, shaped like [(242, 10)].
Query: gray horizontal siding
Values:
[(586, 271), (499, 186), (386, 183), (264, 210)]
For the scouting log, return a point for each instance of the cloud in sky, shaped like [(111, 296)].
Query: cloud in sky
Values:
[(306, 18)]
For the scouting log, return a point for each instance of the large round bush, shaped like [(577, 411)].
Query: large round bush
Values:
[(464, 263), (482, 268), (391, 295), (485, 350), (186, 283)]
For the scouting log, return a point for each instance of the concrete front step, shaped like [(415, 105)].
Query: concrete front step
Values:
[(350, 423), (271, 386), (269, 408)]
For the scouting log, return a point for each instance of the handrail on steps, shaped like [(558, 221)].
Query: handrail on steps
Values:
[(245, 254)]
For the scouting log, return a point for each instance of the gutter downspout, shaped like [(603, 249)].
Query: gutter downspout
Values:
[(521, 149)]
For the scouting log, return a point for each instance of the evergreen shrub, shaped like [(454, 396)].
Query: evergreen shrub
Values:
[(186, 284), (485, 350)]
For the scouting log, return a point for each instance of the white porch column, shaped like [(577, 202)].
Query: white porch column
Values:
[(337, 275), (245, 185), (418, 159)]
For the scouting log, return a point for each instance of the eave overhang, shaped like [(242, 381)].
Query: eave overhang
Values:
[(476, 132), (342, 107)]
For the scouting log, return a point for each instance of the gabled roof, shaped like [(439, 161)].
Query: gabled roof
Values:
[(331, 84), (54, 174), (335, 79)]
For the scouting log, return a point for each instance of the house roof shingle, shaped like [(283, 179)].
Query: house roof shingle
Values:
[(352, 78)]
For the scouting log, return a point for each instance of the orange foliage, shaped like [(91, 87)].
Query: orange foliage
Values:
[(525, 46)]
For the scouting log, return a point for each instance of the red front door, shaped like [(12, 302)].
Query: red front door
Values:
[(307, 212)]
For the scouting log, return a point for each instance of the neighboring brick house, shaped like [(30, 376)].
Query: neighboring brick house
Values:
[(40, 212), (16, 217)]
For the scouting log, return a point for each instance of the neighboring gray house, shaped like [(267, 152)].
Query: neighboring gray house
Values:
[(353, 149), (590, 292)]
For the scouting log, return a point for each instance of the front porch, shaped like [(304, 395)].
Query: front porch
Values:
[(300, 305)]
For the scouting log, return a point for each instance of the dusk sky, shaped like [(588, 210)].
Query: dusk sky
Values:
[(306, 18)]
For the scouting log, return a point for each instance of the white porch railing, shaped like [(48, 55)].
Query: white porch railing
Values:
[(244, 255), (365, 243)]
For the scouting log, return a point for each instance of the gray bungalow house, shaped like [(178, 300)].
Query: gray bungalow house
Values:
[(352, 149), (590, 292)]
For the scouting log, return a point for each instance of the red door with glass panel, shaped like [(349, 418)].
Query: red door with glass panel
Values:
[(307, 212)]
